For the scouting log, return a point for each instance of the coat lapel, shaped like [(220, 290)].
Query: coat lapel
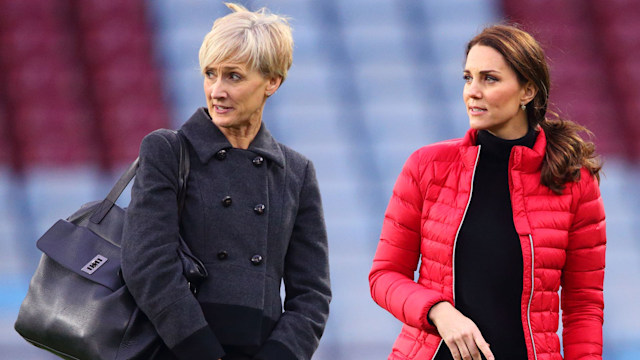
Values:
[(207, 139)]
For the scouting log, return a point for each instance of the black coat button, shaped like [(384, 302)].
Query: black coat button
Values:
[(259, 209), (258, 160), (226, 202), (221, 155), (223, 255), (256, 259)]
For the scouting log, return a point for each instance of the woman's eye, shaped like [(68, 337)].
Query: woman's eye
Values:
[(491, 78), (466, 78), (210, 74), (235, 76)]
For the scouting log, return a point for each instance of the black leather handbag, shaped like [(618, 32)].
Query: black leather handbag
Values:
[(77, 305)]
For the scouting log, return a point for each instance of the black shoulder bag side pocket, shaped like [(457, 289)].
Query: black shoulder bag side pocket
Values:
[(77, 305)]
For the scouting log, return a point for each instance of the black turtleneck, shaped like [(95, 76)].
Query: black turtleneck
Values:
[(488, 257)]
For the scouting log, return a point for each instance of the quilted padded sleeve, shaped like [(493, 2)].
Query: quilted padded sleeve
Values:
[(583, 275), (391, 279)]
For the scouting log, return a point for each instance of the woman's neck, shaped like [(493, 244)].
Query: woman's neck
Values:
[(501, 148), (241, 137)]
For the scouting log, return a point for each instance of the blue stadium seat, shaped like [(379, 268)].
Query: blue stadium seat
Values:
[(14, 221), (54, 193), (369, 12)]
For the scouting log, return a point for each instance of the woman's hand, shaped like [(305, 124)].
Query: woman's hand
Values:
[(461, 335)]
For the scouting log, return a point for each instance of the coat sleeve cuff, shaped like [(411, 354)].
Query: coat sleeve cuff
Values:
[(427, 324), (200, 342), (274, 350)]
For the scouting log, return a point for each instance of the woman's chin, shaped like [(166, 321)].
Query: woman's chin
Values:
[(476, 124), (224, 121)]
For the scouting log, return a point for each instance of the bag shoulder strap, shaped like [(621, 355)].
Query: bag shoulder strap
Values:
[(124, 180), (183, 172)]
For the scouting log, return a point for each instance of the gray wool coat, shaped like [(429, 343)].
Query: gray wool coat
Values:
[(254, 217)]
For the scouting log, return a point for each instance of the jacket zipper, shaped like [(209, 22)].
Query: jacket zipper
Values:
[(533, 344), (455, 241)]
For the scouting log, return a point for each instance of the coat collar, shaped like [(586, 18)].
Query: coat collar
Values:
[(523, 158), (207, 139)]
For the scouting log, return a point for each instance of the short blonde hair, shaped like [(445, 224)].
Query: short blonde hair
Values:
[(260, 39)]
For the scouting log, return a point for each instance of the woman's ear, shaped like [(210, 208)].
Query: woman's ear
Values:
[(529, 93), (273, 84)]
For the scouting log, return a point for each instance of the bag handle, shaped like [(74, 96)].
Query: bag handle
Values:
[(115, 193), (125, 179), (183, 172)]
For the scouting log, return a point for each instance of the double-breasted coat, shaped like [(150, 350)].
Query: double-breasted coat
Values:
[(254, 217)]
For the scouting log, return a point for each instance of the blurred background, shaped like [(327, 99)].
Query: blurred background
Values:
[(82, 81)]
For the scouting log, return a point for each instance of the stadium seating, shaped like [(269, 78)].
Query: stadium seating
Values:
[(617, 28), (125, 81), (44, 85)]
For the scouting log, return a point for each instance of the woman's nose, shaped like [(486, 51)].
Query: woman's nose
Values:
[(217, 90), (471, 90)]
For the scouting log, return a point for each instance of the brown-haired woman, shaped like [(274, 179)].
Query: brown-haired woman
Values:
[(499, 220)]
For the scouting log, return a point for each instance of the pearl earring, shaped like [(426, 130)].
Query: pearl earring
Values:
[(523, 107)]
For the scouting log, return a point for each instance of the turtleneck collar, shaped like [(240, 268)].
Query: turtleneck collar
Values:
[(499, 148)]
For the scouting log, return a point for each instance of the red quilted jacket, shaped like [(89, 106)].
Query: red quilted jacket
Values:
[(562, 237)]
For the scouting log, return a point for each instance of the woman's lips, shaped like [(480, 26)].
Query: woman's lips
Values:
[(474, 110), (219, 109)]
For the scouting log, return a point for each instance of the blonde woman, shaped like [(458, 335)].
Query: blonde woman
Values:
[(252, 214)]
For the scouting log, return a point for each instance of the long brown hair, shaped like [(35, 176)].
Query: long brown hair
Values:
[(566, 152)]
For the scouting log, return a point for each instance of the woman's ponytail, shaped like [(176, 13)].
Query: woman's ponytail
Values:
[(566, 153)]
